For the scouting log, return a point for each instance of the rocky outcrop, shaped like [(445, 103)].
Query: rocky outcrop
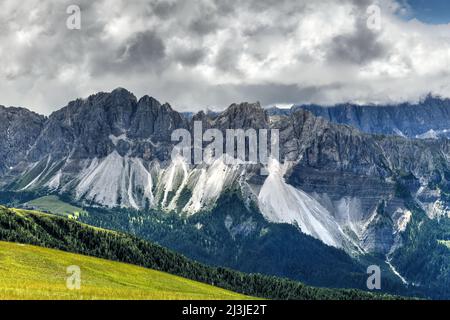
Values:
[(19, 129)]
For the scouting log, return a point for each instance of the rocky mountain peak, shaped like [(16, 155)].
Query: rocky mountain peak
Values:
[(121, 94), (243, 116), (147, 100)]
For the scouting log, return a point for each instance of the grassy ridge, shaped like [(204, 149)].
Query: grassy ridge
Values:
[(60, 233), (30, 272), (54, 205)]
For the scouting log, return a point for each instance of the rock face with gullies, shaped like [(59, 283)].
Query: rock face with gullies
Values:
[(19, 129), (334, 182), (353, 174), (104, 122)]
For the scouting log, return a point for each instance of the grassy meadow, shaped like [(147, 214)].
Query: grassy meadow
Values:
[(54, 205), (35, 273)]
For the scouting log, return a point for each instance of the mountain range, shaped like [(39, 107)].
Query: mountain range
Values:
[(427, 119), (354, 186)]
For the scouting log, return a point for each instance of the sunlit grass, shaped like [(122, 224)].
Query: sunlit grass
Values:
[(54, 205), (29, 272)]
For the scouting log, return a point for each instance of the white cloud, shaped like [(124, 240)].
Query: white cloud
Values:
[(210, 53)]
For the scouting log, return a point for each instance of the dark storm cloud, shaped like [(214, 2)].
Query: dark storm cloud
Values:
[(191, 57), (204, 25), (226, 8), (163, 9), (227, 58), (145, 47), (360, 47), (143, 52)]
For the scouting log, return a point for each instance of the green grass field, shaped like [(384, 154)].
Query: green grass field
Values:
[(54, 205), (35, 273)]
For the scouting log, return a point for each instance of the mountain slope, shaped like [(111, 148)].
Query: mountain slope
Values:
[(59, 233), (424, 258), (234, 236), (35, 273)]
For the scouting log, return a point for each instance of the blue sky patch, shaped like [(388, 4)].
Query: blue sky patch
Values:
[(431, 11)]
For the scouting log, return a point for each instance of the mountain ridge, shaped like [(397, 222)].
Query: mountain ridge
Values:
[(114, 150), (350, 189), (428, 118)]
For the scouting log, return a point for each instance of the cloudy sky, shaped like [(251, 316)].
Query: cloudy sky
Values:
[(198, 54)]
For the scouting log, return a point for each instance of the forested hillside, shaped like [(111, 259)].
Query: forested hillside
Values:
[(64, 234)]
